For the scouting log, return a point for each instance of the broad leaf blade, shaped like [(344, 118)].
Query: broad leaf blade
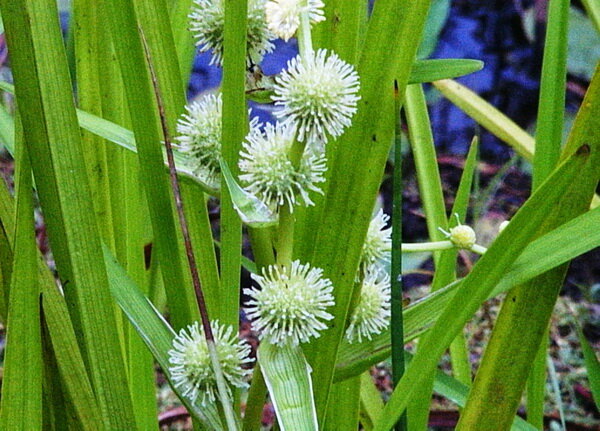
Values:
[(287, 375)]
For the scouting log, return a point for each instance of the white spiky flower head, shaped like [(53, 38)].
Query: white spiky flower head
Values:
[(199, 138), (268, 172), (318, 95), (208, 21), (191, 369), (289, 307), (283, 16), (372, 312), (378, 242)]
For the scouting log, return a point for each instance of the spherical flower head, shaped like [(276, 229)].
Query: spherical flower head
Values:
[(378, 243), (318, 95), (283, 16), (372, 312), (289, 307), (463, 236), (191, 369), (208, 21), (268, 172), (200, 138)]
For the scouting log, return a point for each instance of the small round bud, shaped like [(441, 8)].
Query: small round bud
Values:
[(463, 236), (290, 305), (191, 369)]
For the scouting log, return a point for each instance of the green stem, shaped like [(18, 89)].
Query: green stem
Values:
[(303, 34)]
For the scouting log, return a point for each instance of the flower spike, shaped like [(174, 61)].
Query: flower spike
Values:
[(372, 312), (318, 96), (207, 23), (283, 16), (191, 369), (289, 307), (268, 171)]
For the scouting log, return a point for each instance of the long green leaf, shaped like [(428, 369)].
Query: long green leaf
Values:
[(434, 70), (476, 287), (69, 361), (592, 366), (141, 100), (592, 7), (21, 402), (287, 375), (234, 124), (7, 129), (44, 96)]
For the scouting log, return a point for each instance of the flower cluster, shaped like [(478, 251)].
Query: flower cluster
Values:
[(289, 306), (372, 312), (200, 138), (318, 95), (283, 16), (377, 247), (191, 369), (208, 21), (270, 174)]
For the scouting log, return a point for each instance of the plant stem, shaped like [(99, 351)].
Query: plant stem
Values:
[(303, 34), (210, 340), (397, 318)]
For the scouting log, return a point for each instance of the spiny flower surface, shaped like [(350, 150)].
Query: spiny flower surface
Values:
[(378, 243), (191, 367), (268, 171), (318, 95), (283, 16), (289, 306), (462, 236), (200, 137), (207, 24), (372, 312)]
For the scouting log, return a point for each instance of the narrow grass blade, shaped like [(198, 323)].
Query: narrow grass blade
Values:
[(488, 116), (371, 403), (434, 70), (154, 330), (476, 287), (141, 101), (44, 95), (184, 41), (345, 397), (69, 361), (7, 130), (287, 375), (234, 124), (592, 7), (21, 402), (592, 365), (551, 109)]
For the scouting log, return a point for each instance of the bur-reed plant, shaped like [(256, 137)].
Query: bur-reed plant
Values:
[(125, 168)]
